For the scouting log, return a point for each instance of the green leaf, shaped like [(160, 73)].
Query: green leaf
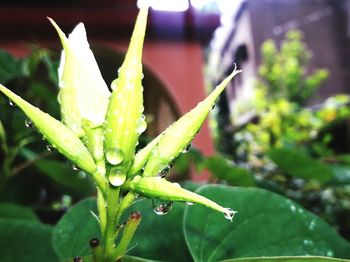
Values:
[(159, 237), (298, 164), (223, 169), (124, 120), (10, 67), (10, 210), (56, 133), (179, 135), (266, 224), (76, 228), (287, 259), (26, 241)]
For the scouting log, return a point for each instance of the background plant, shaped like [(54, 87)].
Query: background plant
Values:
[(290, 147)]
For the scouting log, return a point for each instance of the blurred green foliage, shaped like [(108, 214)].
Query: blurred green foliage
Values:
[(289, 145)]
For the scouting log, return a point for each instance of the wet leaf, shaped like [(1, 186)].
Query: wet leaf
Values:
[(266, 224), (26, 241), (76, 228)]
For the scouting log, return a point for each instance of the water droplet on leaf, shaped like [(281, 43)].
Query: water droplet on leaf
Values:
[(189, 203), (28, 123), (312, 225), (11, 103), (164, 172), (229, 214), (117, 176), (50, 148), (186, 149), (141, 125), (75, 168), (329, 253), (114, 156), (161, 207), (81, 174)]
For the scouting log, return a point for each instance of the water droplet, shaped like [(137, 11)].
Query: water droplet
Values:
[(141, 125), (28, 123), (292, 208), (75, 168), (160, 207), (189, 203), (50, 148), (11, 103), (307, 242), (114, 156), (117, 176), (186, 149), (229, 214), (81, 174), (329, 253), (312, 225), (164, 172)]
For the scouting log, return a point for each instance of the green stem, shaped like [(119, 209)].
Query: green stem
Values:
[(112, 212), (101, 205), (125, 203), (129, 231)]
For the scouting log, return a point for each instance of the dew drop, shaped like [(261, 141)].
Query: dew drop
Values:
[(117, 176), (114, 156), (312, 225), (75, 168), (11, 103), (164, 172), (186, 149), (49, 148), (160, 207), (307, 242), (292, 208), (189, 203), (229, 214), (141, 125), (81, 174), (329, 253), (28, 123)]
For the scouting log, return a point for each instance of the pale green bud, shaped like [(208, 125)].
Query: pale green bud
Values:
[(56, 133), (124, 120), (180, 134), (84, 94), (156, 187)]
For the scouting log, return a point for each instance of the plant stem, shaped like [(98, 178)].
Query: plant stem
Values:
[(129, 231), (102, 207), (112, 213)]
